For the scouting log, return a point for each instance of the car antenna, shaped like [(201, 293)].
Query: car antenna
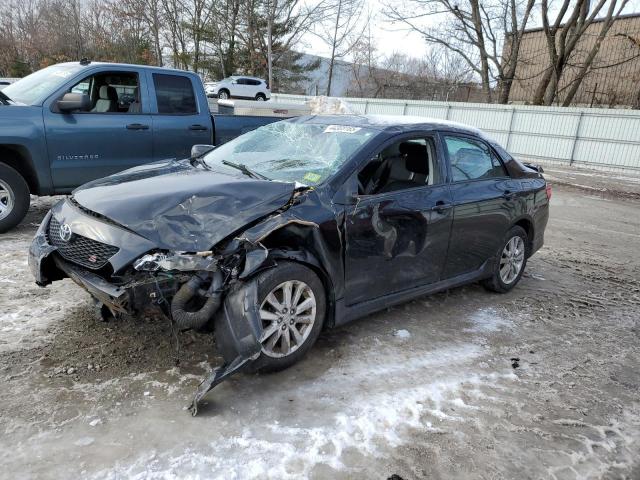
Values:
[(85, 61)]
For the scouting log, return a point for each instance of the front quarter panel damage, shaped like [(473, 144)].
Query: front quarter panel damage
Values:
[(238, 332), (283, 235)]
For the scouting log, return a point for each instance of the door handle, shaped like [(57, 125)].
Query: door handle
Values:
[(137, 126), (200, 128), (441, 207)]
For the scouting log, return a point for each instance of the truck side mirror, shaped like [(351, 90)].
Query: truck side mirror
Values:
[(74, 101), (198, 151)]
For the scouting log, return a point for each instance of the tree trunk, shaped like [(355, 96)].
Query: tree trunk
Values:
[(484, 61), (586, 66), (333, 48)]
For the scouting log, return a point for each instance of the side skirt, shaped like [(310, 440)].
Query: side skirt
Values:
[(347, 313)]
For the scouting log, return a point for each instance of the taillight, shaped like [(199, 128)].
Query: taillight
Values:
[(548, 192)]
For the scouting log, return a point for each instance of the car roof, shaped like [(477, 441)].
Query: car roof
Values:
[(394, 123), (247, 76), (116, 65)]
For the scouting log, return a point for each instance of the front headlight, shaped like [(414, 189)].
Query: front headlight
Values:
[(186, 262)]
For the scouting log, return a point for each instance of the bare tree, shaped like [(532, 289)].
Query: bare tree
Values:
[(364, 58), (175, 32), (222, 32), (563, 36), (340, 30), (273, 27), (474, 30)]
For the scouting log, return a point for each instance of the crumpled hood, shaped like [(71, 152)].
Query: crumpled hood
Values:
[(182, 207)]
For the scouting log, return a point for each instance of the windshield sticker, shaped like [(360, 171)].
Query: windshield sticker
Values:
[(311, 177), (341, 129)]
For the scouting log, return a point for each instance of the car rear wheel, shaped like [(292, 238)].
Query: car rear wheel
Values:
[(261, 97), (14, 198), (292, 311), (511, 262), (223, 95)]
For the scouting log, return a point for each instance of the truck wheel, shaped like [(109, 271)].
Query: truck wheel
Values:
[(14, 198), (223, 95), (261, 97), (292, 310), (511, 262)]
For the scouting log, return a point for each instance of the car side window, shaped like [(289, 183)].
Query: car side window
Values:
[(111, 92), (174, 94), (471, 159), (409, 163)]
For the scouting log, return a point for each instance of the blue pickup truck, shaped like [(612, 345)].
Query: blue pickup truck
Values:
[(71, 123)]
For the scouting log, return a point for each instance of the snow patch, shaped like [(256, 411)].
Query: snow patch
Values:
[(488, 320), (402, 334), (423, 389)]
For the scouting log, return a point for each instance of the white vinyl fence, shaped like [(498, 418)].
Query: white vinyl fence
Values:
[(593, 137)]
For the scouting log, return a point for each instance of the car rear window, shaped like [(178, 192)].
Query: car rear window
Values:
[(174, 94)]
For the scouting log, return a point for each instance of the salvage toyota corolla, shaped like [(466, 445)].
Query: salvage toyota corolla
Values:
[(298, 225)]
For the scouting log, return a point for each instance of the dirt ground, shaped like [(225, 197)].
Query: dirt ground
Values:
[(542, 382)]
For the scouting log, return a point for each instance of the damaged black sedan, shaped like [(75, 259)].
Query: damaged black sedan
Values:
[(299, 225)]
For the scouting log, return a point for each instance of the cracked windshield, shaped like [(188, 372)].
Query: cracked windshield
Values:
[(291, 151)]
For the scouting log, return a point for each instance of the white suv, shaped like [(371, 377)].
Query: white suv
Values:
[(240, 87)]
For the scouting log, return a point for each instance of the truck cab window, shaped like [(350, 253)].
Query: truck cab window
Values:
[(111, 92), (405, 164), (471, 160), (174, 94)]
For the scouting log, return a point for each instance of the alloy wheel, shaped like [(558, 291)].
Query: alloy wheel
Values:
[(512, 260), (288, 314), (7, 199)]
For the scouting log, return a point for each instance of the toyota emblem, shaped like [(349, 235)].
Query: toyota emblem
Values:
[(65, 232)]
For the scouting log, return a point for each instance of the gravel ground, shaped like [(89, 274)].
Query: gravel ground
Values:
[(542, 382)]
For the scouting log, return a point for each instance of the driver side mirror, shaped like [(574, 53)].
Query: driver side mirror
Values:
[(74, 101), (198, 151)]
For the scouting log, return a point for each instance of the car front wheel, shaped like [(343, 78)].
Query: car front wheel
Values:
[(261, 97), (292, 311), (223, 95), (511, 262)]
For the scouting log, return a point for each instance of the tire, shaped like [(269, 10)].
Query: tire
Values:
[(272, 360), (261, 97), (224, 95), (505, 278), (14, 198)]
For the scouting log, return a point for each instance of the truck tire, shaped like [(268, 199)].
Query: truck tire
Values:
[(14, 198)]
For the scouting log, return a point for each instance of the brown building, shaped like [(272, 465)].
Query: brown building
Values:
[(614, 79)]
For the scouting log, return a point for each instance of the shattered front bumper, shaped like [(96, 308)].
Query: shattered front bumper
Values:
[(46, 267), (237, 323)]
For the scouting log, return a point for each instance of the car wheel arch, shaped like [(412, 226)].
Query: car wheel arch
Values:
[(18, 158), (527, 225)]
